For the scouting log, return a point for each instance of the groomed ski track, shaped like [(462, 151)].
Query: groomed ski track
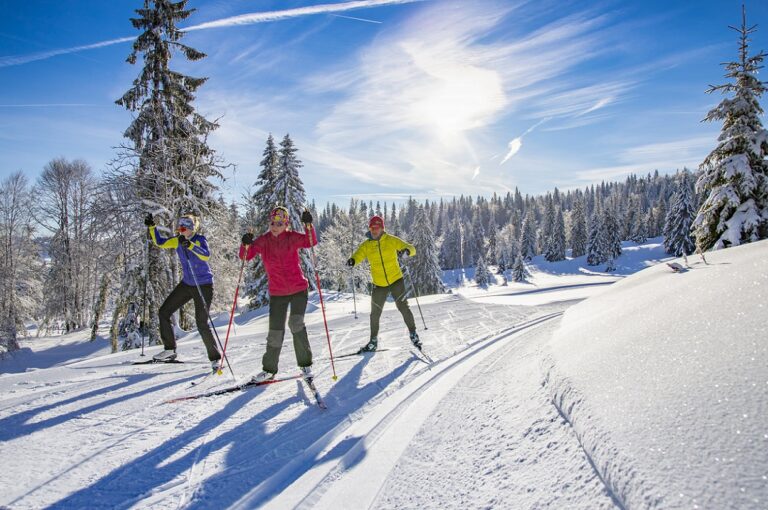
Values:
[(375, 442), (103, 439)]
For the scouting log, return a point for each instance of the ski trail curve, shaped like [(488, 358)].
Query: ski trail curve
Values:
[(373, 444)]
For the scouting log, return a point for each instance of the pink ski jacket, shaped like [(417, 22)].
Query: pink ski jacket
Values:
[(280, 255)]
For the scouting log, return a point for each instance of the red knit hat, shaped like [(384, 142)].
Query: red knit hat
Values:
[(376, 220)]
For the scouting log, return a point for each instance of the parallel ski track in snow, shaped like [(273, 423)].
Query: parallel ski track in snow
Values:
[(394, 421), (119, 428)]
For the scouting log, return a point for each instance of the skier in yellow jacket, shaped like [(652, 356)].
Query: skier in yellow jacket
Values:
[(381, 250)]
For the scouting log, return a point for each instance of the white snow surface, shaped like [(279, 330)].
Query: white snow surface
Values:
[(648, 393), (665, 380)]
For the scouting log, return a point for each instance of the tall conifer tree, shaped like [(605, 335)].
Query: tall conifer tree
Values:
[(424, 269), (169, 138), (734, 176)]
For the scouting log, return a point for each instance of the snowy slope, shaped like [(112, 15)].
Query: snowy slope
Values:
[(665, 379)]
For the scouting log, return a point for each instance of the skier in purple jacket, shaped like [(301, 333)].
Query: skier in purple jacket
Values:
[(192, 249)]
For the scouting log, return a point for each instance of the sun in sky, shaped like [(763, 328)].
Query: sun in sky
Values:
[(395, 98)]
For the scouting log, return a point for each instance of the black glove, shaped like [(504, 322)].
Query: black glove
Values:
[(247, 239), (306, 217), (351, 262), (149, 220), (183, 241), (404, 252)]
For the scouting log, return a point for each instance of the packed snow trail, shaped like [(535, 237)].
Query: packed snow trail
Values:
[(94, 435), (368, 467), (373, 445)]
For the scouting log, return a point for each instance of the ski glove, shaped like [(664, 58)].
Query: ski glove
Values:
[(149, 220), (351, 262), (306, 217), (247, 239), (183, 241), (403, 252)]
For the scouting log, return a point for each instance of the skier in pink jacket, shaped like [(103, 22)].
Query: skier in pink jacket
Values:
[(279, 251)]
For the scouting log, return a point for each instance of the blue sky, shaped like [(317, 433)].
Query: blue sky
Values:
[(387, 99)]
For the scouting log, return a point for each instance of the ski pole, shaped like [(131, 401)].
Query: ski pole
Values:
[(144, 301), (205, 306), (232, 313), (309, 228), (354, 294), (416, 295)]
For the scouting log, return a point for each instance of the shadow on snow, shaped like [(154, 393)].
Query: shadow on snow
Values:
[(253, 456)]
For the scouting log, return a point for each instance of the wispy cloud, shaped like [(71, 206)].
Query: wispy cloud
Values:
[(14, 60), (666, 151), (662, 156), (434, 89), (243, 19), (50, 105), (356, 19), (262, 17), (517, 143)]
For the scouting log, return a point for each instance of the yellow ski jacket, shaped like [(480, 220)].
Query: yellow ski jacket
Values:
[(382, 256)]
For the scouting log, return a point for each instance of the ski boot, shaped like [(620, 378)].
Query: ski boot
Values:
[(165, 356), (370, 346), (415, 340), (262, 377)]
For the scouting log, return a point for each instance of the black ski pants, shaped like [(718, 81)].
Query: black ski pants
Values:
[(178, 298)]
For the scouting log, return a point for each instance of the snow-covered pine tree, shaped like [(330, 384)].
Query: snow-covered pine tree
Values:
[(483, 277), (678, 240), (450, 248), (556, 242), (289, 192), (595, 250), (578, 235), (520, 273), (527, 244), (492, 241), (393, 225), (636, 219), (261, 203), (547, 224), (173, 162), (734, 176), (339, 240), (610, 238), (278, 184), (506, 247), (424, 268)]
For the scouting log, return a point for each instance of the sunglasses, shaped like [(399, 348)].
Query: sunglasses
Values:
[(277, 223), (375, 227), (185, 224)]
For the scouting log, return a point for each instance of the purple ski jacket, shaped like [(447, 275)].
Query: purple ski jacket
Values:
[(196, 256)]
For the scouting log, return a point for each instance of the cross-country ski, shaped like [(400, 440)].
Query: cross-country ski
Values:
[(231, 389)]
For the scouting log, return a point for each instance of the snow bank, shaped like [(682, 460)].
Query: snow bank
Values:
[(664, 377)]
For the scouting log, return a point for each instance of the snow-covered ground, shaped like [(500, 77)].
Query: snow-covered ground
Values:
[(650, 394)]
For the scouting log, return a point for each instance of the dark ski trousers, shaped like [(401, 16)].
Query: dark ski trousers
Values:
[(278, 310), (379, 297), (178, 298)]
